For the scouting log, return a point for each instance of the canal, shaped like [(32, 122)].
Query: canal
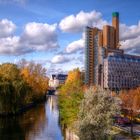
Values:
[(39, 123)]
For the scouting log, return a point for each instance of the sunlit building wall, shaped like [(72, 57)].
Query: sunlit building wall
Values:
[(121, 71), (107, 65)]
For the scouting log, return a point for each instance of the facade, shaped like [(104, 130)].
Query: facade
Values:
[(121, 71), (53, 83), (94, 54), (89, 53), (97, 44), (105, 64), (62, 78), (109, 36), (58, 79)]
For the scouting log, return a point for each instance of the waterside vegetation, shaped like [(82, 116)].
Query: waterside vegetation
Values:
[(21, 85), (71, 94)]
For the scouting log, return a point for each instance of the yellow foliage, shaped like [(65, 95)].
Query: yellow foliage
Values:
[(74, 82), (73, 75), (35, 76)]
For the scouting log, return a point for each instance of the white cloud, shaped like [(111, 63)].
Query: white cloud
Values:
[(40, 36), (76, 23), (60, 59), (130, 38), (129, 32), (13, 46), (35, 37), (75, 46), (55, 70), (7, 28), (131, 45), (8, 45)]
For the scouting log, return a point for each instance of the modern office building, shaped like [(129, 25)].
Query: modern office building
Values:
[(107, 65), (90, 52), (121, 71), (98, 42)]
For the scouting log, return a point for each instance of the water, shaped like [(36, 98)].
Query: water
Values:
[(39, 123)]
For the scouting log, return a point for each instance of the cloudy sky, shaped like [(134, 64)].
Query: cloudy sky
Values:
[(51, 32)]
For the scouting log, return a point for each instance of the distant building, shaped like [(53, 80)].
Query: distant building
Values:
[(53, 82), (57, 79), (61, 77)]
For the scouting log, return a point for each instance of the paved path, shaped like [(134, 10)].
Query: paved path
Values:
[(136, 128)]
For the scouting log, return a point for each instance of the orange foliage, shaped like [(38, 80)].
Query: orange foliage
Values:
[(73, 75), (74, 82), (131, 100), (35, 76)]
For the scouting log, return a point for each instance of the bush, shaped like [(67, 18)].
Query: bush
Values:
[(95, 116)]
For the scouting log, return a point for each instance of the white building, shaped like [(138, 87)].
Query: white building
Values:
[(53, 82)]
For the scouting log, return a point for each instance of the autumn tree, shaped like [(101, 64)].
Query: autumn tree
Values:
[(35, 75), (13, 88), (95, 116), (70, 96), (130, 103), (74, 82)]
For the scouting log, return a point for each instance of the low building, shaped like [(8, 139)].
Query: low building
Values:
[(121, 71), (62, 78), (57, 79), (53, 82)]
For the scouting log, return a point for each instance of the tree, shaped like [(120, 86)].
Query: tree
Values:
[(74, 82), (96, 114), (13, 88), (71, 94), (35, 75), (130, 104)]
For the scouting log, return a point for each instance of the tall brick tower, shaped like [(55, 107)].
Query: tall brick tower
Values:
[(115, 24), (89, 55)]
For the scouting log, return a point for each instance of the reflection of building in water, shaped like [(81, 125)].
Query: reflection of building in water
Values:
[(57, 79), (53, 104)]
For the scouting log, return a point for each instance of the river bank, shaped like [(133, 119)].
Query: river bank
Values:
[(24, 108), (38, 123)]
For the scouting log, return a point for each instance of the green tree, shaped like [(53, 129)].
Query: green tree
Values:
[(95, 116), (13, 88), (71, 94)]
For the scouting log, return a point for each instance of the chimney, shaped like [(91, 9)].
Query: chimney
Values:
[(115, 24)]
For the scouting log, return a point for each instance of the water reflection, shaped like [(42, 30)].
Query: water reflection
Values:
[(39, 123)]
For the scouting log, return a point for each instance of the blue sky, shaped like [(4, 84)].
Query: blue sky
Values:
[(51, 32)]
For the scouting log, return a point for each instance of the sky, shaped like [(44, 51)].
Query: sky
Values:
[(51, 32)]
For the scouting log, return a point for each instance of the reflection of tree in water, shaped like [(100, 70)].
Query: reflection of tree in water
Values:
[(10, 129), (37, 122), (24, 127), (53, 103)]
